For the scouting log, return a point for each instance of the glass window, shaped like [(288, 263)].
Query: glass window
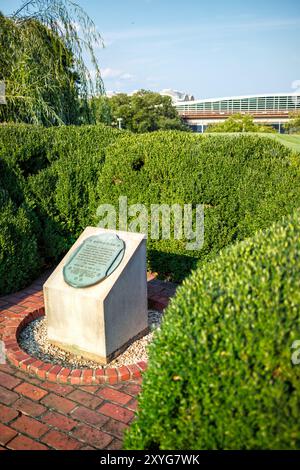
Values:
[(282, 102), (261, 104), (236, 105), (270, 102)]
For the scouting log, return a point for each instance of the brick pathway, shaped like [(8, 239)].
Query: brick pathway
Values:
[(39, 415)]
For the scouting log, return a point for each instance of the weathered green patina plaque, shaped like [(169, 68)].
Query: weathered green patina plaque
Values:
[(95, 259)]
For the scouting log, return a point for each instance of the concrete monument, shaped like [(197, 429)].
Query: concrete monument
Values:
[(96, 299)]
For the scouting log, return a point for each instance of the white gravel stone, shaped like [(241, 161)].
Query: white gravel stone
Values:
[(33, 339)]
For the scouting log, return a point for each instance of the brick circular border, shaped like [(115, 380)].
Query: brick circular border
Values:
[(53, 372)]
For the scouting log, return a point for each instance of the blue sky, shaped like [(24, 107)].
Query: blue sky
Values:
[(208, 49)]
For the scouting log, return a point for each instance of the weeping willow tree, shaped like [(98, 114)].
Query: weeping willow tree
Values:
[(44, 47)]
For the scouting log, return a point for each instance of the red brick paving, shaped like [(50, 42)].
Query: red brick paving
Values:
[(28, 407), (114, 395), (22, 442), (116, 412), (6, 434), (29, 426), (89, 416), (115, 428), (133, 404), (30, 391), (37, 414), (59, 421), (64, 405), (85, 398), (60, 441), (38, 417), (92, 436), (8, 381), (7, 414)]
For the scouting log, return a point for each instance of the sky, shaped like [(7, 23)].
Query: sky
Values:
[(205, 48)]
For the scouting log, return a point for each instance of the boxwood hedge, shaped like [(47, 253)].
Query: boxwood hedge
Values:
[(24, 147), (63, 174), (244, 182), (51, 174), (220, 373), (66, 190), (19, 254)]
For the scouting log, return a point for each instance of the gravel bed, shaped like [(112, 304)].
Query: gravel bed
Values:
[(33, 339)]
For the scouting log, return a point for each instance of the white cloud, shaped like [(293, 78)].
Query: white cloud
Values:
[(126, 76), (110, 73)]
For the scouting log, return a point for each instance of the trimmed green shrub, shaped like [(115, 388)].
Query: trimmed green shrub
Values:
[(19, 257), (220, 373), (31, 148), (85, 141), (53, 172), (66, 191), (24, 147), (245, 183), (63, 174), (11, 182)]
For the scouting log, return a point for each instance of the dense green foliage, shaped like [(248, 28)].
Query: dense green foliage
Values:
[(42, 62), (220, 367), (19, 256), (65, 192), (239, 123), (144, 111), (50, 175), (245, 183), (24, 147), (62, 174), (220, 373), (293, 126)]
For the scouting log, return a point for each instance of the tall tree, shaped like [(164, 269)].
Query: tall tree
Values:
[(42, 63), (144, 111)]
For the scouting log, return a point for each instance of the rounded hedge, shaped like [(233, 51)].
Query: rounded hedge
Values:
[(63, 174), (245, 183), (19, 256), (65, 191), (220, 373), (52, 172), (24, 147)]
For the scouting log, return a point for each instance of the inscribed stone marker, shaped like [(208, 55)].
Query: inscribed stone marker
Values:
[(94, 260), (94, 319)]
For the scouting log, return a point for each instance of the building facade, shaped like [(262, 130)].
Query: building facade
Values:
[(177, 96), (273, 110)]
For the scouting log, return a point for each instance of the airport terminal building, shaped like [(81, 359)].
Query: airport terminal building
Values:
[(273, 109)]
